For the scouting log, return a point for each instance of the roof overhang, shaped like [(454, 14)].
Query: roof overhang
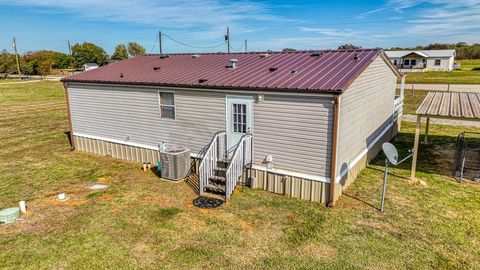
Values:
[(237, 90), (416, 53)]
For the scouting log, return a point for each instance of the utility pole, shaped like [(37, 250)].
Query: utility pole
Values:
[(246, 46), (16, 56), (160, 45), (69, 48), (70, 60), (227, 38)]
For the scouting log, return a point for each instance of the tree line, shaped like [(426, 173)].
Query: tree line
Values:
[(42, 62), (462, 49)]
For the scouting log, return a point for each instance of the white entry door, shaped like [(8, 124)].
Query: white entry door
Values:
[(239, 120)]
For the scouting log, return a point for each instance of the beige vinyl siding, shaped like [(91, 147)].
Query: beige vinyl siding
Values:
[(121, 113), (295, 130), (366, 108)]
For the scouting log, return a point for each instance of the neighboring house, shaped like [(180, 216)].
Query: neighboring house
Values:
[(315, 117), (426, 60), (89, 66)]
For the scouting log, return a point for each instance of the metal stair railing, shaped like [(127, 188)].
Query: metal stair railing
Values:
[(215, 152), (241, 156)]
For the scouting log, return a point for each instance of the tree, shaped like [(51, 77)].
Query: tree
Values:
[(37, 62), (348, 46), (88, 53), (7, 63), (135, 49), (120, 52), (61, 60)]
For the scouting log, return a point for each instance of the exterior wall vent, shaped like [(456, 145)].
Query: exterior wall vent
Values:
[(163, 56), (264, 55), (316, 54), (195, 56), (272, 69), (156, 68), (202, 80)]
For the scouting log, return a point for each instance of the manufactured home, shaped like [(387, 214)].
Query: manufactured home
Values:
[(420, 61), (301, 124)]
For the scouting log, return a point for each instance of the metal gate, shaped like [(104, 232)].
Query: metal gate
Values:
[(467, 158)]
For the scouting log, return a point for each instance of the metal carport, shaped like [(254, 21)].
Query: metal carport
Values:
[(446, 105)]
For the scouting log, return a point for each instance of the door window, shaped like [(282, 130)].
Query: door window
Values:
[(239, 117)]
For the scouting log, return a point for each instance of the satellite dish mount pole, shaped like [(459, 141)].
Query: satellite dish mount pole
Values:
[(385, 174), (391, 154)]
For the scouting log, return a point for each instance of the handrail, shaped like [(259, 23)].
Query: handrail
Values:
[(397, 107), (241, 157), (215, 152)]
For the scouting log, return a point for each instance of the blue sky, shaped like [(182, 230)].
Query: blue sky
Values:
[(48, 24)]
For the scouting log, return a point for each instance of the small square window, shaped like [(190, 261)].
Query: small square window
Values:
[(167, 105), (406, 62), (438, 62), (413, 62)]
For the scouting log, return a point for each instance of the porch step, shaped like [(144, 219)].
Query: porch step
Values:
[(223, 163), (215, 189), (214, 196), (217, 179), (222, 172)]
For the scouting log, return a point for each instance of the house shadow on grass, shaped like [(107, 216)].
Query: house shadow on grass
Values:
[(69, 138), (436, 157)]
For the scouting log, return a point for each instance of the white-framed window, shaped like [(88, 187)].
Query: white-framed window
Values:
[(167, 104), (413, 62), (406, 62), (239, 118), (438, 62)]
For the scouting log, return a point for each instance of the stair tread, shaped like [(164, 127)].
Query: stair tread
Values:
[(215, 188), (217, 177), (213, 196)]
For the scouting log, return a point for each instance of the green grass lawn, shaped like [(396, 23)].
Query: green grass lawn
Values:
[(141, 221), (7, 80), (413, 100), (469, 74)]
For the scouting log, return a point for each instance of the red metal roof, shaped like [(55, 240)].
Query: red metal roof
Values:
[(319, 71)]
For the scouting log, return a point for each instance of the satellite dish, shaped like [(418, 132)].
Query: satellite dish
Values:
[(391, 152)]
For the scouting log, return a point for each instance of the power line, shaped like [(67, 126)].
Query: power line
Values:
[(239, 49), (155, 43), (192, 46)]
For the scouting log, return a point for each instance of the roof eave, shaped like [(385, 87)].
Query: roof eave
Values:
[(283, 90)]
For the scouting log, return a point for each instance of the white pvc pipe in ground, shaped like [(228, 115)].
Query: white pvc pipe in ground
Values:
[(23, 206)]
